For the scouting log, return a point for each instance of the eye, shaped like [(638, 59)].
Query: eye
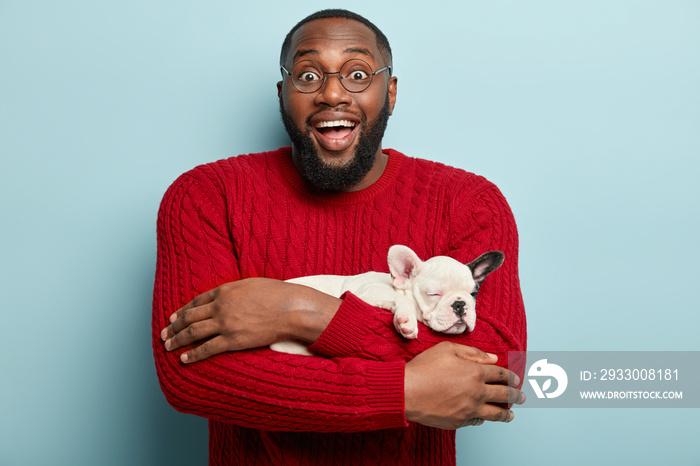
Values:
[(308, 76), (474, 294), (431, 293), (358, 75)]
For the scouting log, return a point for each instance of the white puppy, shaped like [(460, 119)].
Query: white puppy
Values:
[(440, 292)]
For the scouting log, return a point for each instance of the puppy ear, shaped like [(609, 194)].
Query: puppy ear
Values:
[(404, 264), (485, 264)]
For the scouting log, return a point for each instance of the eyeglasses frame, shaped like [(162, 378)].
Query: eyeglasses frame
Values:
[(284, 70)]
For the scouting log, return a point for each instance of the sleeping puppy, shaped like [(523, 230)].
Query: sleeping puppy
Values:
[(440, 292)]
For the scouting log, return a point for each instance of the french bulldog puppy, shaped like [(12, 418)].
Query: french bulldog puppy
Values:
[(440, 292)]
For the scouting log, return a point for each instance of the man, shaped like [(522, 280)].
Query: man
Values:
[(333, 203)]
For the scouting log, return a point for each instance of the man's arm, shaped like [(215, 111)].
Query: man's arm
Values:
[(261, 388), (351, 327)]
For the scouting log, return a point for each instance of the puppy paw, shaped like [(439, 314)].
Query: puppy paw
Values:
[(407, 327)]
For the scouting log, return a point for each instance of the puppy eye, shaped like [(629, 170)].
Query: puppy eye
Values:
[(432, 294), (474, 294)]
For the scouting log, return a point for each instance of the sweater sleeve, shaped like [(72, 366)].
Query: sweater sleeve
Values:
[(474, 226), (260, 388)]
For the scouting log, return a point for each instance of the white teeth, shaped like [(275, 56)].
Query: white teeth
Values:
[(332, 124)]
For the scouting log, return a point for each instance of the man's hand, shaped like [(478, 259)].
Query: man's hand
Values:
[(247, 314), (450, 386)]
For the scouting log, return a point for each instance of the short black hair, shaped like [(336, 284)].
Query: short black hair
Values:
[(382, 41)]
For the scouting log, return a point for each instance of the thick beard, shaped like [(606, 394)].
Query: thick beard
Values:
[(331, 178)]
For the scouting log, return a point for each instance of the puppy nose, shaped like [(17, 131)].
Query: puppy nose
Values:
[(458, 307)]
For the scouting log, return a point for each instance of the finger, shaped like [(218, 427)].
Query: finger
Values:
[(499, 375), (199, 300), (205, 350), (191, 316), (193, 333), (475, 355), (473, 422), (186, 317), (503, 394), (494, 413)]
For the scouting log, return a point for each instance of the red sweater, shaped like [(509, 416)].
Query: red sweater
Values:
[(251, 216)]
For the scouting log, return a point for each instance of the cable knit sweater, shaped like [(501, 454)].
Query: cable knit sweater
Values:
[(253, 216)]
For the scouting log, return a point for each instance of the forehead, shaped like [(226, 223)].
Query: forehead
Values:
[(447, 272), (333, 38)]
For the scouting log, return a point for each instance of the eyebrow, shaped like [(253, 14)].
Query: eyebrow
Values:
[(303, 52), (349, 51), (360, 50)]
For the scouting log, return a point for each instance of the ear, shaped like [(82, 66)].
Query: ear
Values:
[(393, 84), (279, 89), (404, 265), (485, 264)]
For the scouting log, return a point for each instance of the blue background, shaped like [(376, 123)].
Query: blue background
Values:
[(586, 114)]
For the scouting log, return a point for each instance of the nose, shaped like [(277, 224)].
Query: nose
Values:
[(332, 92), (458, 307)]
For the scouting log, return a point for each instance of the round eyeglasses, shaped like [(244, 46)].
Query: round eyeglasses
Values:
[(355, 75)]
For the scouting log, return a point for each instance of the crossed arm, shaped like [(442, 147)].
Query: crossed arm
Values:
[(365, 381), (447, 386)]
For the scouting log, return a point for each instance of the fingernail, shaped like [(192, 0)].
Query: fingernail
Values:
[(184, 358), (173, 318), (522, 398), (492, 356), (511, 415), (164, 334), (168, 344)]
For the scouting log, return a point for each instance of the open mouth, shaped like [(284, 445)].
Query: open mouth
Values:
[(334, 134), (335, 129)]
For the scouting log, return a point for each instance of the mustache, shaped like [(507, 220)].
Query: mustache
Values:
[(337, 109)]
